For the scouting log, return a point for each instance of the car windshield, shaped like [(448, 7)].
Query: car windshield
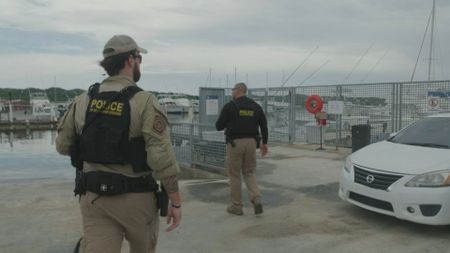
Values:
[(427, 132)]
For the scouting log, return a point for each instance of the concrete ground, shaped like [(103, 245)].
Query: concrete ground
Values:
[(302, 214)]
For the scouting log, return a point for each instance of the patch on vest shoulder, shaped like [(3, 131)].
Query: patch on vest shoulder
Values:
[(159, 125)]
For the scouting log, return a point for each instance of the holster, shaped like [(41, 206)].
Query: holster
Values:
[(231, 141), (258, 141), (162, 201), (80, 183)]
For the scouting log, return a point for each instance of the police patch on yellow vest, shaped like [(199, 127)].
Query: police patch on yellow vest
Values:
[(246, 113), (106, 107)]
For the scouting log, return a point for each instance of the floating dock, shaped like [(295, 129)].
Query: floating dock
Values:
[(27, 125)]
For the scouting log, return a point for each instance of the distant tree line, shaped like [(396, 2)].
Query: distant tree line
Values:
[(54, 94)]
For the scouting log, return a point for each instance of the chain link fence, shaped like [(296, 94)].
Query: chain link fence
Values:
[(198, 145), (385, 107)]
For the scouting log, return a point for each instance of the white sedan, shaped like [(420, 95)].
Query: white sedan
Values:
[(406, 176)]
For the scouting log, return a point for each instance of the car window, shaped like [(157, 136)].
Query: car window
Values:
[(431, 132)]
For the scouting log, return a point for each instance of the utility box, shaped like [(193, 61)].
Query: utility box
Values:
[(360, 136)]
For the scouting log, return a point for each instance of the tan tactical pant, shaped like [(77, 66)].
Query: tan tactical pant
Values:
[(242, 158), (107, 220)]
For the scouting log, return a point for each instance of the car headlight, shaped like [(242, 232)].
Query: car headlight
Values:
[(348, 164), (433, 179)]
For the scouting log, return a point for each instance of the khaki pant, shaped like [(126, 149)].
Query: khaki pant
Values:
[(242, 159), (107, 220)]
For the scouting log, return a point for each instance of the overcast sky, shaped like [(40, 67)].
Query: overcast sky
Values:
[(43, 42)]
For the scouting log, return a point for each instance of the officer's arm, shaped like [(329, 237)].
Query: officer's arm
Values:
[(161, 157), (262, 121), (66, 131), (223, 118), (155, 129)]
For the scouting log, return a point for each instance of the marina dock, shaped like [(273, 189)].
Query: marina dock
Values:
[(27, 125)]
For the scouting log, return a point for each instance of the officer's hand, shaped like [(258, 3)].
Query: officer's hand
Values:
[(263, 149), (174, 217)]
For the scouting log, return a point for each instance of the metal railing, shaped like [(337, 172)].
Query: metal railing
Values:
[(386, 107), (198, 145)]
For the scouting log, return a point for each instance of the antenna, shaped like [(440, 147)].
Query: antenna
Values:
[(421, 45), (374, 66), (433, 12), (298, 67), (54, 89), (208, 78), (314, 72), (228, 85), (357, 64)]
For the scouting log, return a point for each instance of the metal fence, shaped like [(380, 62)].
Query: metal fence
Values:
[(199, 145), (386, 107)]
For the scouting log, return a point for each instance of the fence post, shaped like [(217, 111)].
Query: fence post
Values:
[(266, 99), (393, 108), (10, 112), (292, 104), (400, 117), (191, 139)]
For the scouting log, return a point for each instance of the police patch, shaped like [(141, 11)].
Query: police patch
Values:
[(159, 125)]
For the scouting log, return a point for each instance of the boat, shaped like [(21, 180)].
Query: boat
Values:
[(41, 106), (195, 105), (182, 102), (174, 103), (168, 105)]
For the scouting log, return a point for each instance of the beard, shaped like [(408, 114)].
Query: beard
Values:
[(136, 73)]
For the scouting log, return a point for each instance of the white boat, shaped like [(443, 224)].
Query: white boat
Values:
[(169, 105), (183, 102), (41, 105), (174, 103), (195, 105)]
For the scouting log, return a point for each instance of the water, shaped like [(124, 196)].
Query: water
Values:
[(31, 155)]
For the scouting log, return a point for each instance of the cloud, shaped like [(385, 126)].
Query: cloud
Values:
[(15, 41), (187, 38)]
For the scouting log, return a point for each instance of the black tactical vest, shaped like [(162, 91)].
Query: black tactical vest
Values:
[(105, 135), (245, 121)]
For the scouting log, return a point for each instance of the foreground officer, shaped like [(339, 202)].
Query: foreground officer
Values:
[(117, 135), (241, 119)]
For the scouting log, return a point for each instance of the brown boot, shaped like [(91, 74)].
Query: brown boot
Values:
[(257, 206), (234, 209)]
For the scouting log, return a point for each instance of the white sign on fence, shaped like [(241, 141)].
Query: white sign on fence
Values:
[(335, 107), (212, 105)]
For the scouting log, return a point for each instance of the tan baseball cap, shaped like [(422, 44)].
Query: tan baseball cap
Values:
[(121, 44)]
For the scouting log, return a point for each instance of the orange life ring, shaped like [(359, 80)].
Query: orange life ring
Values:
[(314, 103)]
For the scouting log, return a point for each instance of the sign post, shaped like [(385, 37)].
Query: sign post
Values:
[(337, 108)]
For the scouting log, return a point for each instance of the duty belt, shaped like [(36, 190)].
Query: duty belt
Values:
[(109, 184)]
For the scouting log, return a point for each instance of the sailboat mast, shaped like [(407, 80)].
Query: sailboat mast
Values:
[(430, 60)]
